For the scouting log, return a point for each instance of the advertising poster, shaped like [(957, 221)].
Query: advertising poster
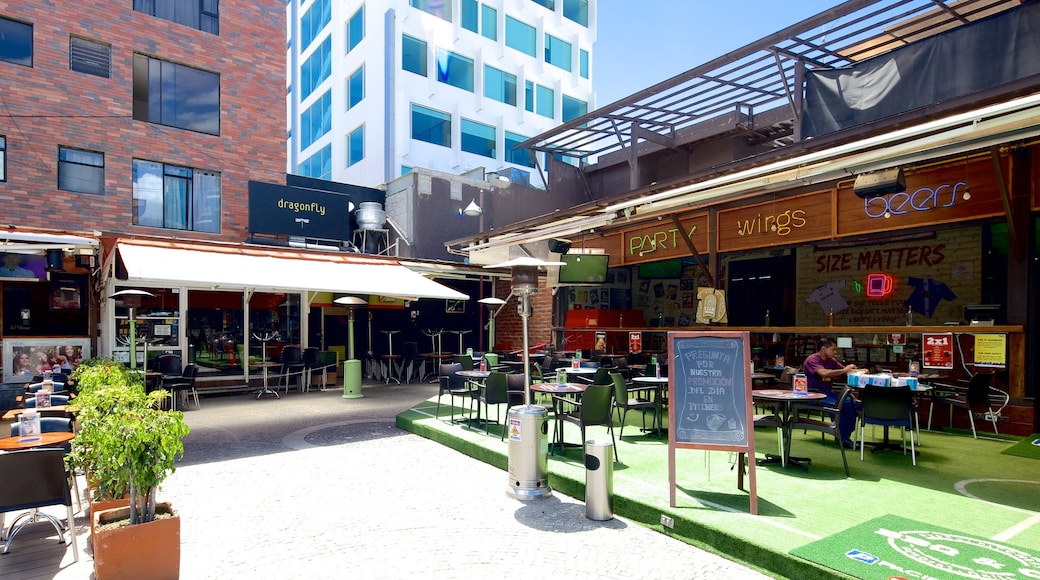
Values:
[(937, 350), (991, 350), (635, 342)]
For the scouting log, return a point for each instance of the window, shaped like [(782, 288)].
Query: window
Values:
[(583, 63), (3, 158), (175, 197), (478, 138), (356, 28), (545, 102), (470, 14), (92, 58), (406, 169), (577, 10), (454, 69), (81, 171), (522, 37), (318, 165), (557, 52), (413, 55), (573, 108), (439, 8), (176, 95), (499, 85), (16, 42), (356, 146), (488, 22), (529, 96), (314, 20), (516, 155), (431, 126), (316, 120), (316, 68), (550, 4), (198, 14), (356, 87)]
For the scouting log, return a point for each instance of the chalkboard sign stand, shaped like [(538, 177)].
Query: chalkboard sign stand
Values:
[(710, 404)]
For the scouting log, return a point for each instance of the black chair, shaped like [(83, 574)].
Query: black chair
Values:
[(980, 394), (52, 425), (35, 478), (594, 408), (411, 361), (292, 364), (465, 360), (312, 362), (626, 398), (516, 388), (601, 377), (888, 407), (182, 383), (454, 385), (825, 419), (495, 392)]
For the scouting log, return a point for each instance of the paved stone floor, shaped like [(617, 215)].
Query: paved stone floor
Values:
[(317, 486)]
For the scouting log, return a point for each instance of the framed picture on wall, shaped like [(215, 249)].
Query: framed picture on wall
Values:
[(454, 306)]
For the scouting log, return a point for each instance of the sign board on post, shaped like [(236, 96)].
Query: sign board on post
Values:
[(709, 390)]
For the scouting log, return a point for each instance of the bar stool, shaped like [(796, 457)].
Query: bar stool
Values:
[(390, 357)]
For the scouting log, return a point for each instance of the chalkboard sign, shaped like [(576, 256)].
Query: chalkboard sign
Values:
[(710, 388), (709, 393)]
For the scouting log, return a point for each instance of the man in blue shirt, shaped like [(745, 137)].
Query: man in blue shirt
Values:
[(820, 370)]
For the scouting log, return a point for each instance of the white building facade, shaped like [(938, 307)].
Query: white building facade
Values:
[(378, 87)]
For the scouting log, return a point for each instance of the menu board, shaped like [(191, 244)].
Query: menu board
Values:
[(710, 390)]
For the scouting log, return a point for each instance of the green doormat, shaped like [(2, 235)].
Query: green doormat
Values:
[(894, 547), (1028, 447)]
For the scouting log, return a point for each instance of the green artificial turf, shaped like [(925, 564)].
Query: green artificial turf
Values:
[(1028, 447), (961, 483)]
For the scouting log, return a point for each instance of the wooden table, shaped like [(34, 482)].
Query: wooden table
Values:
[(14, 413), (51, 439), (784, 399)]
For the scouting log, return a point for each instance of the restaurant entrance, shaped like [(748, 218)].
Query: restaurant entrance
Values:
[(765, 283)]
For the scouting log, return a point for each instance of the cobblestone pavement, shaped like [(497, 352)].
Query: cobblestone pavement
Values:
[(316, 486)]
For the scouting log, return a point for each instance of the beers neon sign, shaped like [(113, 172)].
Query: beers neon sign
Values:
[(922, 199)]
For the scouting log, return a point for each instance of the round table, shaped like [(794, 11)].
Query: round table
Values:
[(51, 439), (658, 384), (784, 399), (266, 390)]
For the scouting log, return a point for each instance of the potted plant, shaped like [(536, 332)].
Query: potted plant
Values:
[(129, 445)]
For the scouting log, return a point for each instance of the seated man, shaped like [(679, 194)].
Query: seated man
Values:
[(820, 370)]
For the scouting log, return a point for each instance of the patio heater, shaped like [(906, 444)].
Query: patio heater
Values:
[(527, 424), (494, 305), (351, 366), (131, 298)]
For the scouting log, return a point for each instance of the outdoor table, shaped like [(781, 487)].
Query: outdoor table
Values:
[(13, 413), (784, 401), (265, 366), (49, 439), (436, 357), (575, 389), (475, 377), (577, 371), (658, 384)]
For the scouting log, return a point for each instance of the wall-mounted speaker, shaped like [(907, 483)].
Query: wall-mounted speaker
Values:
[(55, 261), (559, 246), (878, 183)]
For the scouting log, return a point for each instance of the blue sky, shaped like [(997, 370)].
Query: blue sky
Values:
[(643, 42)]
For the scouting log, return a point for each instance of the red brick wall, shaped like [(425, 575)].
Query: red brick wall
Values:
[(509, 326), (49, 105)]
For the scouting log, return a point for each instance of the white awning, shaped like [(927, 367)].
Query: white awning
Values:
[(276, 270)]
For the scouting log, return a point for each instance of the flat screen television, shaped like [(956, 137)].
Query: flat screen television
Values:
[(584, 268)]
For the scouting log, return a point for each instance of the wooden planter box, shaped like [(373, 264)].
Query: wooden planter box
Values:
[(151, 550)]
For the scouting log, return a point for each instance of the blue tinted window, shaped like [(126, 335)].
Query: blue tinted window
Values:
[(557, 52), (545, 102), (314, 21), (316, 68), (516, 155), (175, 95), (550, 4), (81, 171), (175, 197), (573, 108), (413, 55), (316, 120), (522, 37), (577, 10), (431, 126), (499, 85), (529, 96), (439, 8), (455, 70), (583, 63), (356, 87), (478, 138), (470, 14), (318, 165), (488, 22), (356, 146), (200, 15), (356, 28), (16, 42)]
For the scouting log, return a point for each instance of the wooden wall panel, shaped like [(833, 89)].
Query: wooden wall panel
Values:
[(791, 220), (660, 240)]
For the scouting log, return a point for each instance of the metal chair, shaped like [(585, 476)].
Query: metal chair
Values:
[(181, 383), (411, 361), (825, 419), (495, 392), (980, 394), (624, 400), (454, 385), (35, 478), (312, 362), (292, 364), (888, 407)]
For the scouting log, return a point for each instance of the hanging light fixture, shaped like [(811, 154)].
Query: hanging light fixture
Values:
[(472, 210)]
